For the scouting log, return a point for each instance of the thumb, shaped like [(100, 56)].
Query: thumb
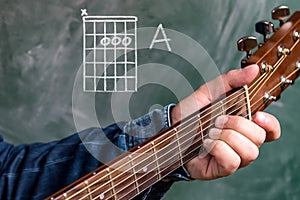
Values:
[(224, 83), (240, 77), (213, 90)]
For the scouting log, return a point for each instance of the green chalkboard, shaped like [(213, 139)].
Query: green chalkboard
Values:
[(41, 54)]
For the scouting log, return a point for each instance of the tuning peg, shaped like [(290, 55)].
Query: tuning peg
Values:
[(265, 28), (246, 44), (280, 13)]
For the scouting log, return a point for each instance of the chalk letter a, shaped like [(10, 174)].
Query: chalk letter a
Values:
[(165, 39)]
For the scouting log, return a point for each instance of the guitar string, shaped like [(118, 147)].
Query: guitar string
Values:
[(278, 85), (199, 140), (168, 138), (262, 76), (110, 174), (125, 163), (186, 122), (176, 161), (143, 160), (267, 78), (153, 162), (284, 57), (278, 63), (185, 141), (200, 146), (130, 191), (194, 142), (231, 97)]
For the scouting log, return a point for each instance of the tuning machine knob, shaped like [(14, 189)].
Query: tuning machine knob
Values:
[(280, 13), (246, 44), (265, 28)]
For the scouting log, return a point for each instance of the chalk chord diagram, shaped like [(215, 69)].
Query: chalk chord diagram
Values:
[(109, 53)]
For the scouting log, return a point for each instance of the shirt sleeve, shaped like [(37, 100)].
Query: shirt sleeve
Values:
[(38, 170)]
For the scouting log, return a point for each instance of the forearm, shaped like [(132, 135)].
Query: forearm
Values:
[(38, 170)]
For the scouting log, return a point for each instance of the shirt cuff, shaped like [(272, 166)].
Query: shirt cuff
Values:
[(149, 125), (167, 113)]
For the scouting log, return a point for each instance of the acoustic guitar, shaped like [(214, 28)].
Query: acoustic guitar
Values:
[(131, 173)]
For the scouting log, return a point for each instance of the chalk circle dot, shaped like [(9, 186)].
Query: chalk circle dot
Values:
[(126, 41), (105, 41), (116, 41)]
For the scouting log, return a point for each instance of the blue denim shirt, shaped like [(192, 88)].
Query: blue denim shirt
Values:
[(38, 170)]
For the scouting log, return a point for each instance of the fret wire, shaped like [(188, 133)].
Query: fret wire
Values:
[(157, 164), (231, 97), (65, 195), (134, 172), (178, 144), (201, 128), (187, 146), (111, 184), (248, 101), (88, 189)]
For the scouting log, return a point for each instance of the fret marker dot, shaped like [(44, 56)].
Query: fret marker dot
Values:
[(101, 196), (145, 169)]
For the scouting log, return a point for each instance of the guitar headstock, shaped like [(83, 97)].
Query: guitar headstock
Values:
[(278, 57)]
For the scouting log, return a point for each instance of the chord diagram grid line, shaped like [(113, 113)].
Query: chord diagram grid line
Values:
[(109, 53)]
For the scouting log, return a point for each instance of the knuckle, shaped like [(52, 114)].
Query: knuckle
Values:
[(232, 166), (261, 137), (250, 155), (230, 135), (218, 146), (235, 122), (231, 73)]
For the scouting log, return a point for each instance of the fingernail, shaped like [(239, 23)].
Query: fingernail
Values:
[(260, 117), (208, 144), (214, 133), (220, 121)]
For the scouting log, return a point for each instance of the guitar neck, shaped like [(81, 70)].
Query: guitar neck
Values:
[(144, 165)]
